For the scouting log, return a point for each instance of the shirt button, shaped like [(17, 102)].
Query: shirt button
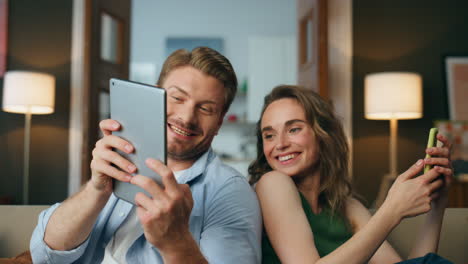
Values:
[(121, 214)]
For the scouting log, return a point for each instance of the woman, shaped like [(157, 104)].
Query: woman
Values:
[(301, 177)]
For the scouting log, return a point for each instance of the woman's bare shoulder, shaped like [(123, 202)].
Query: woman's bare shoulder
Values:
[(276, 187), (273, 180)]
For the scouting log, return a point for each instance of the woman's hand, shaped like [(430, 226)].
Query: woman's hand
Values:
[(410, 195), (440, 158)]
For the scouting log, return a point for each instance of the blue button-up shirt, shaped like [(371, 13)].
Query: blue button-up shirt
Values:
[(225, 221)]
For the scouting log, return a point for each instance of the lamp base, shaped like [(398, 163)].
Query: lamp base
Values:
[(386, 183)]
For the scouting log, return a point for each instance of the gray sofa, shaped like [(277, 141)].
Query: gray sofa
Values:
[(18, 222)]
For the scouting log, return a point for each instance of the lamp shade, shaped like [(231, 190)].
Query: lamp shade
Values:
[(28, 92), (393, 95)]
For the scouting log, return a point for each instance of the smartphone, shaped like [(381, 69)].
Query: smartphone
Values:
[(141, 111), (431, 142)]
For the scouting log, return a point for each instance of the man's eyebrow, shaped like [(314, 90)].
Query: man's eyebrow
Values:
[(178, 89), (187, 94)]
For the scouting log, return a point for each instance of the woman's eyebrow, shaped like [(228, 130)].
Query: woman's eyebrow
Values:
[(267, 128), (291, 122), (287, 123)]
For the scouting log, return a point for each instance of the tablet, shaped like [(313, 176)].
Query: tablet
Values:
[(141, 111)]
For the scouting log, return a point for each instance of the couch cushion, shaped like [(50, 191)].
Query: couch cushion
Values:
[(16, 225)]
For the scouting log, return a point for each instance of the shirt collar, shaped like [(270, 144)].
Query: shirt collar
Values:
[(197, 168)]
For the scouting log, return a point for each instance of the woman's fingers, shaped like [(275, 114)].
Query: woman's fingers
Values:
[(437, 161), (412, 171), (446, 143)]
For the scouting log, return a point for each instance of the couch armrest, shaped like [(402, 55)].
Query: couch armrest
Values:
[(17, 223)]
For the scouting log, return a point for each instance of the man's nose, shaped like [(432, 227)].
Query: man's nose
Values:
[(187, 114)]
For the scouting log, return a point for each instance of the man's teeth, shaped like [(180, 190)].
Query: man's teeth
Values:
[(180, 131), (287, 157)]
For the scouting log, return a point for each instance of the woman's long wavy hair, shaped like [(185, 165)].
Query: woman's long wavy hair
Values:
[(335, 185)]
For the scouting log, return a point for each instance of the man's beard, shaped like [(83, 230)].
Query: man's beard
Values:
[(192, 153), (189, 154)]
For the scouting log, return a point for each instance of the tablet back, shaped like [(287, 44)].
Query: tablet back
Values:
[(141, 111)]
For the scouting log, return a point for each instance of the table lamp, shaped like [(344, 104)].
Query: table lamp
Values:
[(392, 96), (28, 93)]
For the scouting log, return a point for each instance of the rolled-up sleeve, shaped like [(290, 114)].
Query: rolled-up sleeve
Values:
[(42, 253), (233, 225)]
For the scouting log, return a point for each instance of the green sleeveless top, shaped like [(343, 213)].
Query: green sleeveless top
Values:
[(329, 233)]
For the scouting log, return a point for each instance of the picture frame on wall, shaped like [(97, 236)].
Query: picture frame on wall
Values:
[(3, 35), (456, 69)]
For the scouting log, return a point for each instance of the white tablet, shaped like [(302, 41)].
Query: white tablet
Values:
[(141, 111)]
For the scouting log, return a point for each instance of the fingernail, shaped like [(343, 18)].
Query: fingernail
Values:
[(131, 168), (419, 162), (128, 148), (128, 177), (427, 160), (115, 125)]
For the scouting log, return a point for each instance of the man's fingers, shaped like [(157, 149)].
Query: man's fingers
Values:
[(168, 179), (187, 194), (412, 171), (114, 158), (143, 201), (104, 168), (148, 185), (108, 125), (112, 141)]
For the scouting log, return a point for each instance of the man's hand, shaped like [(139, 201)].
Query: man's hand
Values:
[(165, 216), (104, 156)]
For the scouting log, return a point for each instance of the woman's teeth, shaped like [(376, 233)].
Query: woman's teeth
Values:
[(287, 157)]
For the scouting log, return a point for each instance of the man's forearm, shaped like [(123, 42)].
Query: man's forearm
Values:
[(73, 220)]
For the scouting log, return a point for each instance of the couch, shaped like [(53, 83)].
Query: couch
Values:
[(18, 222)]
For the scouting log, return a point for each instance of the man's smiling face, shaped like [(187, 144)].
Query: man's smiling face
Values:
[(195, 103)]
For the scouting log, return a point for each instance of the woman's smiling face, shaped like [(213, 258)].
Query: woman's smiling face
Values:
[(289, 143)]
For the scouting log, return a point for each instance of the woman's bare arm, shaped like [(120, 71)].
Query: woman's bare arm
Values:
[(292, 237)]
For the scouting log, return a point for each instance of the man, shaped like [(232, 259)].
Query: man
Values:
[(204, 212)]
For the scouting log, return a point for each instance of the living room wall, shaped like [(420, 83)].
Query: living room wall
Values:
[(401, 35), (39, 39)]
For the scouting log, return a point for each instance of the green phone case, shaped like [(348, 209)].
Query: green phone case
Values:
[(431, 142)]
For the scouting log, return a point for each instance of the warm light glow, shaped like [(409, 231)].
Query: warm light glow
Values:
[(28, 92), (393, 95)]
